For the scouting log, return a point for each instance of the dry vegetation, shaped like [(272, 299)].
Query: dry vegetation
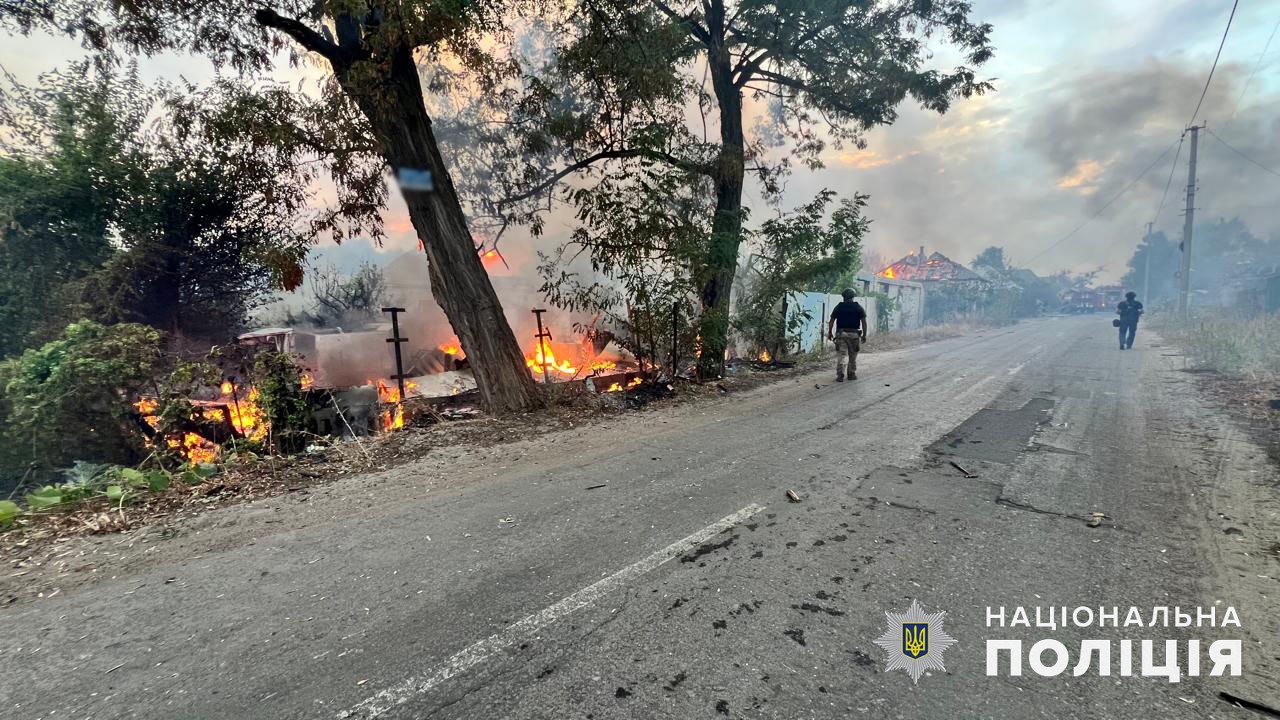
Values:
[(1245, 348)]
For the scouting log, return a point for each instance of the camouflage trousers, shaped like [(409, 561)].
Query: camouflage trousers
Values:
[(848, 342)]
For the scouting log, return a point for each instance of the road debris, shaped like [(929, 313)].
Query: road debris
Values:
[(597, 487), (792, 496), (1096, 518), (966, 473)]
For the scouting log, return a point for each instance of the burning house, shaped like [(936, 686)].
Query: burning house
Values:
[(951, 290), (931, 269)]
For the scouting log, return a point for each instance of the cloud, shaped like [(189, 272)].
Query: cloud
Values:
[(869, 159), (1083, 177)]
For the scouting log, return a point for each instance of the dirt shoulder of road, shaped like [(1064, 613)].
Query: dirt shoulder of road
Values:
[(66, 548)]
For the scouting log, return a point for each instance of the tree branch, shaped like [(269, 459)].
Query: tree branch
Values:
[(698, 168), (804, 87), (698, 31), (304, 35)]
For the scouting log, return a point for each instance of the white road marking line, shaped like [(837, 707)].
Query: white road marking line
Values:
[(483, 650), (1030, 354)]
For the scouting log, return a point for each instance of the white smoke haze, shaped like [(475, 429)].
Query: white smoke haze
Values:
[(1087, 94)]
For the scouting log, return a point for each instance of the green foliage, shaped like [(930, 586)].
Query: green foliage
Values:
[(78, 387), (1223, 250), (993, 258), (798, 251), (279, 382), (886, 308), (617, 94), (70, 162), (641, 231), (8, 513)]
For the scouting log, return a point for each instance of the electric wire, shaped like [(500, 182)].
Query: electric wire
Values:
[(1228, 146), (1167, 183), (1249, 82), (1108, 204), (1214, 67)]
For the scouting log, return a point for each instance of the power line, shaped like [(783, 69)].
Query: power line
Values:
[(1246, 157), (1248, 82), (1209, 79), (1100, 210), (1165, 195)]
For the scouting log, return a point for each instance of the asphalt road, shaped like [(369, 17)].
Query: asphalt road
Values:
[(508, 584)]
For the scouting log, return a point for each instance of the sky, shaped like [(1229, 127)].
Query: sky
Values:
[(1089, 93)]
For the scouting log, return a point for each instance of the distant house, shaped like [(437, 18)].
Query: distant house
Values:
[(953, 292), (935, 268)]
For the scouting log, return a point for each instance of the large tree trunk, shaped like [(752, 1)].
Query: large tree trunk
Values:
[(393, 103), (721, 263)]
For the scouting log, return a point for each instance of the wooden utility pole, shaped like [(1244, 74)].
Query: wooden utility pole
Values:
[(1146, 274), (1188, 221)]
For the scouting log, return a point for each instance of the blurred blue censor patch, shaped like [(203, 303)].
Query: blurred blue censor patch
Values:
[(415, 179)]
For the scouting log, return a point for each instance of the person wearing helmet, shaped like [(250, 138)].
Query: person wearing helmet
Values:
[(1129, 311), (848, 330)]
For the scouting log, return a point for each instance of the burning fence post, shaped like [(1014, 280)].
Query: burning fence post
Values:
[(398, 341), (543, 336)]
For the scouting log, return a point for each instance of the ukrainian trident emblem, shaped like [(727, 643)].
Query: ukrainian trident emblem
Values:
[(915, 641)]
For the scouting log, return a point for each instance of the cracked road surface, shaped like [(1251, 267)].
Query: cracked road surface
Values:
[(500, 586)]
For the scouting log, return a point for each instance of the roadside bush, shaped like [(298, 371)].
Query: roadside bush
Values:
[(279, 381), (70, 399)]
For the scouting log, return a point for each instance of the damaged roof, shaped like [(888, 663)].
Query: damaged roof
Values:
[(936, 268)]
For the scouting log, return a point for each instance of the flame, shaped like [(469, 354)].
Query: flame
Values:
[(544, 357), (245, 414), (389, 395), (597, 365), (194, 448), (888, 272), (618, 387), (765, 356), (308, 381), (452, 348)]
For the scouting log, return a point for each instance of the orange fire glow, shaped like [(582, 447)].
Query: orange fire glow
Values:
[(389, 395), (452, 349), (544, 357), (888, 272), (765, 356), (618, 387), (308, 381), (236, 405)]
